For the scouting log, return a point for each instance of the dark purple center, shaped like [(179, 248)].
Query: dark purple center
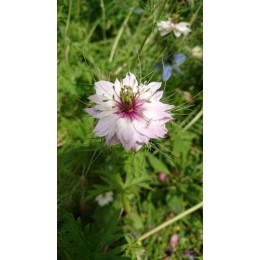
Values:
[(131, 110)]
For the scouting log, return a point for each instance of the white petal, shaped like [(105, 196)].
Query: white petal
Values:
[(141, 127), (183, 24), (91, 111), (154, 86), (117, 87), (102, 104), (157, 96), (157, 105), (136, 147), (105, 88), (126, 133), (105, 113), (165, 27), (156, 114), (177, 33), (96, 99), (112, 140), (109, 105), (182, 28), (106, 126), (148, 90), (152, 129), (130, 80)]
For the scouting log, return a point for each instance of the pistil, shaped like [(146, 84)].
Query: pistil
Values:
[(127, 99)]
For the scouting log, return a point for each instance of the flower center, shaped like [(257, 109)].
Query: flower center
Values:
[(127, 99)]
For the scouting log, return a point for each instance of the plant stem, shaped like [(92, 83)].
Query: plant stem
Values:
[(194, 120), (194, 17), (103, 18), (68, 18), (119, 35), (184, 122), (149, 35), (67, 40), (170, 221)]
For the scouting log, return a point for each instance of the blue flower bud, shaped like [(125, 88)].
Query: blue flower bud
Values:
[(167, 72)]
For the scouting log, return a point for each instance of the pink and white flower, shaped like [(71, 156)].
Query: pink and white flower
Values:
[(166, 27), (129, 113)]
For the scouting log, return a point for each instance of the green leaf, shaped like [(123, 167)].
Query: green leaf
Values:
[(157, 165), (76, 242), (126, 203), (137, 221), (175, 203)]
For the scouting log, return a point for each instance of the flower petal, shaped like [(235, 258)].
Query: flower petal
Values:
[(98, 99), (91, 111), (148, 90), (152, 129), (154, 86), (156, 114), (136, 147), (131, 81), (112, 141), (105, 88), (126, 132), (117, 88), (157, 96), (176, 33), (167, 72), (102, 104), (164, 27), (179, 58), (182, 28), (157, 105), (105, 113), (106, 126)]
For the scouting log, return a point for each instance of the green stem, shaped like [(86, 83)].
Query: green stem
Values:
[(67, 41), (193, 18), (78, 9), (193, 121), (150, 34), (184, 122), (170, 221), (119, 35), (103, 18), (68, 18)]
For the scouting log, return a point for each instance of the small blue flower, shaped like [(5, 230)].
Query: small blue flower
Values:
[(167, 72), (178, 59), (166, 65)]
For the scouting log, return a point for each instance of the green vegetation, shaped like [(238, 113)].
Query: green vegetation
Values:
[(103, 40)]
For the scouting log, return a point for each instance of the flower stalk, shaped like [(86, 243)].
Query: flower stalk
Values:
[(170, 221), (193, 121), (120, 32)]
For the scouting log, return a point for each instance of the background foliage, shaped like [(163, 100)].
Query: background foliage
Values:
[(104, 40)]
